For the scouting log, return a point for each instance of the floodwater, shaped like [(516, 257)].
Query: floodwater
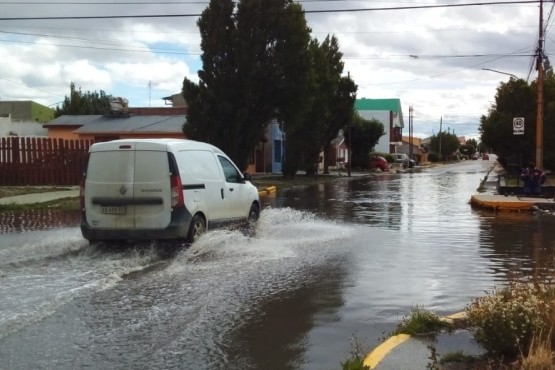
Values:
[(327, 264)]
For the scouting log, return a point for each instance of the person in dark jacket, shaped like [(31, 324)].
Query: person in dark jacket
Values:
[(533, 179)]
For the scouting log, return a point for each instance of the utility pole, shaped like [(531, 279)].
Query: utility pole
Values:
[(539, 94), (349, 144), (410, 133), (439, 136)]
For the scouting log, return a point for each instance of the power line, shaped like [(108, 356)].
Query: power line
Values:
[(411, 7)]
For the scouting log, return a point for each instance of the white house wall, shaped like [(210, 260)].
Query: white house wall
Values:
[(29, 128)]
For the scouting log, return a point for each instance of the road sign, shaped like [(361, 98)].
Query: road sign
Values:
[(518, 126)]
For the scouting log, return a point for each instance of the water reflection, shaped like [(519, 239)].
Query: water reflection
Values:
[(29, 220), (519, 244)]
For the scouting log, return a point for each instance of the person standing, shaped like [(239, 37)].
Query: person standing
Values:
[(533, 179)]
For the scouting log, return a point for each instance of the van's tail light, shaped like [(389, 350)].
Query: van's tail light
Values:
[(177, 199), (82, 193)]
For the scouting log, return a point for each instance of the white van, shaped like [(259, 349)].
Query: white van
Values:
[(154, 189)]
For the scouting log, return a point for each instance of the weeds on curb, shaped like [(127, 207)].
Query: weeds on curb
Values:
[(421, 322), (357, 354)]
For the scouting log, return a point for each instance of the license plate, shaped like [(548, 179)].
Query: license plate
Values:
[(113, 210)]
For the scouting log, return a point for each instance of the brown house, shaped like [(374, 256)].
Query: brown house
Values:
[(159, 122)]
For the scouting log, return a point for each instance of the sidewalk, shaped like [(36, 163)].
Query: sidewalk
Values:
[(32, 198)]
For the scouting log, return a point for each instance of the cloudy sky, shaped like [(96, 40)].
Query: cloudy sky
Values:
[(430, 57)]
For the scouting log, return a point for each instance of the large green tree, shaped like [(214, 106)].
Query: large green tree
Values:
[(255, 68), (331, 106), (517, 98), (445, 144), (79, 102)]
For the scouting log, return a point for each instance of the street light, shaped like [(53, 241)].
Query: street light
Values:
[(503, 73)]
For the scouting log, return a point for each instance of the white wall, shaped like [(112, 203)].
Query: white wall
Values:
[(383, 116), (30, 128)]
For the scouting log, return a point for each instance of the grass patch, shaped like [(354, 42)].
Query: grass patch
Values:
[(421, 322), (12, 191), (64, 204), (458, 357)]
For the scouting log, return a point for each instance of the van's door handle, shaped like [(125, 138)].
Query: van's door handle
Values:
[(230, 189), (222, 191)]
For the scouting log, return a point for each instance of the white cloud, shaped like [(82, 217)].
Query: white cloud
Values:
[(429, 58)]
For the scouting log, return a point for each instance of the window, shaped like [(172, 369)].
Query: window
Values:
[(277, 151), (230, 172)]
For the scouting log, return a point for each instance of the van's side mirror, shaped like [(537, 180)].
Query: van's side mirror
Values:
[(247, 176)]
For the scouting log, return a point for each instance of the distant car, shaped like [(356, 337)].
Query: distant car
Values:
[(485, 157), (475, 156), (378, 162), (402, 159)]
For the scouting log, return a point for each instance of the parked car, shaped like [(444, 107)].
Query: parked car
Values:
[(378, 162), (412, 163), (402, 159), (160, 189)]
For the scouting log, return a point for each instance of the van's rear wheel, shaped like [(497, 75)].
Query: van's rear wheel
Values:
[(197, 228)]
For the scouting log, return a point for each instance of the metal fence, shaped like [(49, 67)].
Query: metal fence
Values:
[(42, 161)]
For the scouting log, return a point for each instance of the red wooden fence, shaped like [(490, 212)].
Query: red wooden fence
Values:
[(42, 161)]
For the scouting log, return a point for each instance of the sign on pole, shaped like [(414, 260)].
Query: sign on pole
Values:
[(518, 126)]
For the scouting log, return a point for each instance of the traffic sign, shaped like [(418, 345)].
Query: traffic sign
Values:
[(518, 126)]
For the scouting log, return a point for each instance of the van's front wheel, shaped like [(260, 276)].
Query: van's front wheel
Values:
[(197, 228), (254, 213)]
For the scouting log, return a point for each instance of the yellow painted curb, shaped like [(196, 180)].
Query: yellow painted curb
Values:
[(505, 205), (267, 191), (377, 355)]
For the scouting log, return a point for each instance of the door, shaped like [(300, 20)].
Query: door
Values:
[(109, 189), (151, 190), (235, 191)]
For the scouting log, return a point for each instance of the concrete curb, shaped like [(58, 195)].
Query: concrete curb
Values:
[(510, 203), (377, 355)]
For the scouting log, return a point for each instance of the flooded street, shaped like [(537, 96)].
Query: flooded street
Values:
[(327, 262)]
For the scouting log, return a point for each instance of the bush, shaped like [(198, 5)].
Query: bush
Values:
[(506, 320), (433, 157)]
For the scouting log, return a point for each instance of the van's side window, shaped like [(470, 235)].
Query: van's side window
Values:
[(230, 172), (198, 165)]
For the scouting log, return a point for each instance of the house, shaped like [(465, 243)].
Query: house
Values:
[(268, 154), (25, 111), (23, 118), (338, 154), (412, 146), (148, 122), (390, 114)]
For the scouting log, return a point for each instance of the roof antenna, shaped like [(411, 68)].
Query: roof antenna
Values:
[(149, 90)]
